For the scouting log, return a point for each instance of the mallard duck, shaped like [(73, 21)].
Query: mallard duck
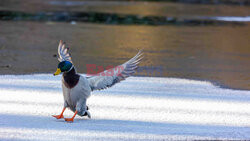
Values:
[(77, 88)]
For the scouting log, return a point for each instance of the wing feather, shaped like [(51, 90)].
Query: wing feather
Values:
[(104, 80), (63, 52)]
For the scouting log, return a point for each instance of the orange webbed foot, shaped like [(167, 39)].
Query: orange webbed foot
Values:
[(58, 116), (69, 119)]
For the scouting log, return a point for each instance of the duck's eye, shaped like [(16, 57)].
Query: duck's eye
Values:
[(64, 67)]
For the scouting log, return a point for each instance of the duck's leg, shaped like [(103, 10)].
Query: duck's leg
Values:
[(71, 119), (61, 115)]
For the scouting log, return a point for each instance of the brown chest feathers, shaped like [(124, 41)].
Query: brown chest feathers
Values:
[(71, 78)]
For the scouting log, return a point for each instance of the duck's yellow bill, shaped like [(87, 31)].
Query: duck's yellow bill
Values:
[(58, 71)]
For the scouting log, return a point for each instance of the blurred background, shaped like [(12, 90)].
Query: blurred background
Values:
[(194, 39)]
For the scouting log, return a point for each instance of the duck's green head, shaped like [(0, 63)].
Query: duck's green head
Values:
[(63, 66)]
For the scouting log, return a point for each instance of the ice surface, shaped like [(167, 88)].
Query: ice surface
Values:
[(140, 108), (233, 19)]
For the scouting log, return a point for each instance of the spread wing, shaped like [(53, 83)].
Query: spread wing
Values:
[(112, 76), (63, 52)]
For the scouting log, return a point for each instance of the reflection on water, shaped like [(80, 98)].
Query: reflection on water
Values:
[(216, 53), (119, 19)]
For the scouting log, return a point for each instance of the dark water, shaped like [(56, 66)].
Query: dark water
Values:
[(219, 52)]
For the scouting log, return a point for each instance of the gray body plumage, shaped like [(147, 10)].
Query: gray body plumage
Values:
[(75, 98)]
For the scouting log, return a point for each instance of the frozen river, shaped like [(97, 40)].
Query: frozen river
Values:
[(139, 108)]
